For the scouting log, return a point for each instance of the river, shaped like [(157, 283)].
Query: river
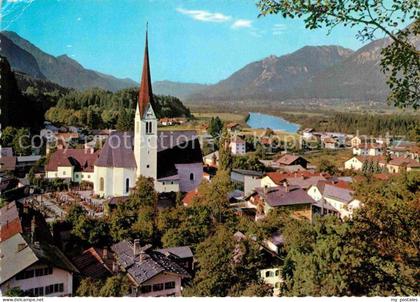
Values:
[(260, 120)]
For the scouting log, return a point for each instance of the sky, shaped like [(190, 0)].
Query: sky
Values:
[(199, 41)]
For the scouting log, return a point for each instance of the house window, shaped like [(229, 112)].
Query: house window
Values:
[(101, 184), (64, 172), (148, 166), (277, 285), (169, 285), (157, 287), (127, 185), (146, 289), (267, 274), (192, 176), (277, 272)]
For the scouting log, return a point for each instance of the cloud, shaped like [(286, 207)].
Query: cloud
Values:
[(278, 29), (79, 19), (204, 16), (242, 23), (69, 46)]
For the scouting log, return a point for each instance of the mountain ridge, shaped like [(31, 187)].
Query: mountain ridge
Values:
[(61, 70)]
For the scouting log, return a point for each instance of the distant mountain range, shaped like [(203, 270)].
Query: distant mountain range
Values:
[(312, 72), (26, 57)]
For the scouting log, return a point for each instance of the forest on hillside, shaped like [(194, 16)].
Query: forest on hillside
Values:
[(27, 102), (407, 125)]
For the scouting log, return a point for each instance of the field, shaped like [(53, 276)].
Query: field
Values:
[(337, 157)]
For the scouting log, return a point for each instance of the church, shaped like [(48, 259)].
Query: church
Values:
[(172, 158)]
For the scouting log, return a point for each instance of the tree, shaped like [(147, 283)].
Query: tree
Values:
[(225, 155), (22, 142), (400, 59), (226, 266), (215, 126), (257, 289), (144, 193), (327, 166), (89, 287), (115, 286), (124, 121), (7, 136), (260, 152), (14, 292)]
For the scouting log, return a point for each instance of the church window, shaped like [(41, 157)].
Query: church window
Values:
[(127, 185), (192, 176), (148, 166), (101, 184)]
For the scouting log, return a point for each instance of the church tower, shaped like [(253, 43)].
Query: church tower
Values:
[(145, 124)]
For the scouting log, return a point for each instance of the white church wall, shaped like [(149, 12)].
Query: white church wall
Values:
[(186, 184)]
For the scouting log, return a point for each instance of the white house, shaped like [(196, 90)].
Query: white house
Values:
[(38, 269), (335, 194), (237, 146), (273, 277), (368, 149)]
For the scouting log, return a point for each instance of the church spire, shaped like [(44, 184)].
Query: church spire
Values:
[(145, 92)]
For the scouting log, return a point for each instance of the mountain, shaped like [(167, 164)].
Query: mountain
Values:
[(24, 56), (275, 76), (178, 89), (19, 58), (358, 77)]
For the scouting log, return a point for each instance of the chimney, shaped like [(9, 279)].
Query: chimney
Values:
[(136, 247), (286, 186), (143, 256), (20, 247), (114, 267), (33, 226)]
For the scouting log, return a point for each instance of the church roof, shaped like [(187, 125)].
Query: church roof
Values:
[(117, 151), (174, 147), (145, 92)]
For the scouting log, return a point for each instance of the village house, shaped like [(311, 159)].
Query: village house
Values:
[(355, 141), (291, 160), (95, 263), (335, 194), (237, 146), (37, 268), (368, 149), (302, 178), (307, 133), (330, 143), (291, 197), (75, 165), (356, 162), (399, 164), (211, 159), (273, 277), (232, 127), (153, 273)]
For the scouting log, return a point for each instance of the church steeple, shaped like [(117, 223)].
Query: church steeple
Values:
[(145, 92)]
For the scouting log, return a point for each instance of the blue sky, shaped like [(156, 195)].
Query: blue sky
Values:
[(201, 41)]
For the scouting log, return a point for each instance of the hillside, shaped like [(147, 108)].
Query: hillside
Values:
[(61, 70), (178, 89), (275, 76)]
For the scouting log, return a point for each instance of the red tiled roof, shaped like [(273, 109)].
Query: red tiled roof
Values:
[(7, 163), (288, 159), (188, 198), (9, 221), (382, 176), (379, 158), (93, 263), (81, 159), (278, 177), (232, 125), (401, 161)]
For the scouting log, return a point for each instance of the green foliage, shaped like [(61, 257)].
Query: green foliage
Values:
[(89, 287), (247, 163), (400, 59), (115, 286), (374, 254), (17, 138), (215, 126), (14, 292), (327, 166), (226, 266), (97, 108), (225, 155)]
